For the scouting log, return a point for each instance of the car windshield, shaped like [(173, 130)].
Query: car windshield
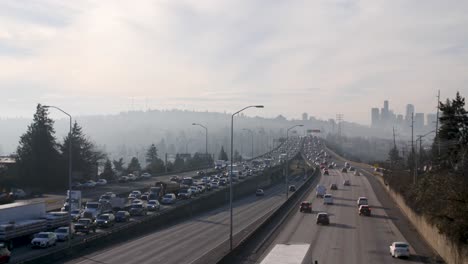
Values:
[(42, 236), (84, 221), (61, 230), (401, 245), (152, 202), (92, 205), (168, 196), (75, 211), (120, 213), (137, 206), (103, 217)]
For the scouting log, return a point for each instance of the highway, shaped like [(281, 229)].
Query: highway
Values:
[(187, 241), (349, 238)]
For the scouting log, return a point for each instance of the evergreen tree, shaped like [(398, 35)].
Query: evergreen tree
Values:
[(237, 156), (151, 154), (85, 156), (119, 165), (222, 154), (453, 132), (38, 158), (179, 162), (134, 165), (108, 172)]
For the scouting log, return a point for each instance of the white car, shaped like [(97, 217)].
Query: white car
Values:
[(101, 182), (44, 239), (134, 195), (62, 233), (146, 175), (194, 190), (362, 201), (169, 198), (90, 184), (399, 249), (132, 177), (327, 199)]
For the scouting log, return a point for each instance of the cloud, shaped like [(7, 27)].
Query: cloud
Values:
[(321, 57)]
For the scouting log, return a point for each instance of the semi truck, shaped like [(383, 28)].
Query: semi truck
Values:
[(163, 187), (75, 201), (288, 253), (20, 220)]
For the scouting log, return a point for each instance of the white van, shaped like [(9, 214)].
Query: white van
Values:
[(327, 199)]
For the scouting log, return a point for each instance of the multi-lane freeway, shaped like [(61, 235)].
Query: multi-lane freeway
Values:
[(191, 240), (350, 238)]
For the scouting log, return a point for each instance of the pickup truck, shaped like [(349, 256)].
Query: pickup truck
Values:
[(85, 225)]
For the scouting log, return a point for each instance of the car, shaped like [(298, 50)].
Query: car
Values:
[(344, 170), (105, 198), (215, 184), (18, 194), (122, 216), (5, 253), (175, 179), (328, 199), (85, 225), (76, 214), (44, 239), (352, 169), (146, 175), (105, 220), (346, 183), (137, 201), (101, 182), (399, 249), (200, 173), (322, 218), (168, 198), (132, 177), (357, 173), (305, 207), (201, 188), (333, 186), (123, 179), (138, 209), (259, 192), (153, 205), (325, 172), (135, 194), (145, 196), (194, 190), (292, 188), (364, 210), (89, 184), (362, 201), (63, 233), (185, 193)]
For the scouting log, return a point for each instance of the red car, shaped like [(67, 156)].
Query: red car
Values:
[(305, 207)]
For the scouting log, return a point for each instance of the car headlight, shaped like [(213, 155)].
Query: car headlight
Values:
[(105, 222)]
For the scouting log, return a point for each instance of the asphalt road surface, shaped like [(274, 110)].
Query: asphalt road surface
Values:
[(188, 241), (349, 238)]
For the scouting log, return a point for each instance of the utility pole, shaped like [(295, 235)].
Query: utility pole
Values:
[(165, 162), (339, 119), (394, 141), (412, 148), (437, 125)]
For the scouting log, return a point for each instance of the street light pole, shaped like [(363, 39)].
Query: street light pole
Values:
[(230, 174), (69, 171), (206, 136), (252, 140), (287, 161)]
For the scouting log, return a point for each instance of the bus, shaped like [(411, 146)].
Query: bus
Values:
[(288, 253)]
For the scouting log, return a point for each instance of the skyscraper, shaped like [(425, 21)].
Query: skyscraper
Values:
[(305, 117), (431, 121), (409, 112), (375, 117), (418, 121)]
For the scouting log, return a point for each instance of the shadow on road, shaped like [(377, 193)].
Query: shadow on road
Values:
[(342, 226), (384, 217)]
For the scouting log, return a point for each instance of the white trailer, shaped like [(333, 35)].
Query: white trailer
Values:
[(21, 219), (287, 254)]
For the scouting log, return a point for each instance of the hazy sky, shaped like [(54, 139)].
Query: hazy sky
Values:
[(321, 57)]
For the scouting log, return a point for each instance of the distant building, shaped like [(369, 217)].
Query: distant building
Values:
[(375, 117), (431, 121), (409, 112), (305, 117), (418, 121)]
